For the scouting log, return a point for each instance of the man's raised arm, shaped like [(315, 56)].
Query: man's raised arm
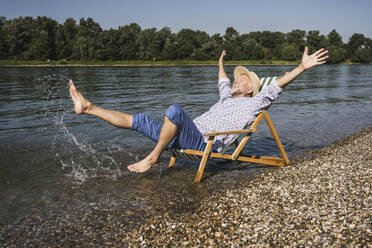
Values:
[(221, 69), (307, 62)]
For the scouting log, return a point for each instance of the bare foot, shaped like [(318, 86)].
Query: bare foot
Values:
[(81, 103), (143, 165)]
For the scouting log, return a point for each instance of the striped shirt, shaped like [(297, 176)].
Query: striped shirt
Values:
[(230, 114)]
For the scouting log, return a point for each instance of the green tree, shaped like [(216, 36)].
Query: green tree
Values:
[(289, 52), (4, 47), (296, 38), (43, 42), (356, 42), (272, 42), (187, 43), (170, 49), (39, 48), (108, 45), (86, 39), (201, 46), (315, 41), (19, 36), (256, 36), (364, 54), (231, 34), (336, 54), (278, 40), (253, 50), (167, 38), (129, 41), (230, 41), (335, 39), (148, 45), (212, 48), (65, 38)]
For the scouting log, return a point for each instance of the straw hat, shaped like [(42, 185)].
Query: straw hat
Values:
[(241, 70)]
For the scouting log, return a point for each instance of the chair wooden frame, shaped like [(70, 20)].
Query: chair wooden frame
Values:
[(236, 156)]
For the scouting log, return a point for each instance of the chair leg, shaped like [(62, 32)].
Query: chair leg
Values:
[(204, 160), (276, 138), (172, 161)]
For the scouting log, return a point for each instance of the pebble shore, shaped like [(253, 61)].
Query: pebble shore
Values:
[(323, 199)]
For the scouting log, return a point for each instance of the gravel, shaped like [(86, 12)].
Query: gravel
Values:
[(322, 199)]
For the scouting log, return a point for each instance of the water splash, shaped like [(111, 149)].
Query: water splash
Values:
[(78, 156)]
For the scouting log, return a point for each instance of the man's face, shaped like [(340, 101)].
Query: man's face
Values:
[(242, 86)]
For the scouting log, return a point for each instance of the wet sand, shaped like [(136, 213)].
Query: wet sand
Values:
[(322, 199)]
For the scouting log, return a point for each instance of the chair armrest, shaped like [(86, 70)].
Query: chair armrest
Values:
[(250, 130)]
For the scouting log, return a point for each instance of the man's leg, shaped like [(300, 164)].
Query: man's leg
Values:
[(84, 106), (167, 134), (176, 123)]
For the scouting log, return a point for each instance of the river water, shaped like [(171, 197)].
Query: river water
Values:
[(57, 164)]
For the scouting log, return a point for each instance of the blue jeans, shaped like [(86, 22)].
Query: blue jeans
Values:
[(188, 136)]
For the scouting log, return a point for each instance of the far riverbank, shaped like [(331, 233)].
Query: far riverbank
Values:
[(148, 63)]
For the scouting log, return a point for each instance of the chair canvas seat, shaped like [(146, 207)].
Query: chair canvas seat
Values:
[(242, 135)]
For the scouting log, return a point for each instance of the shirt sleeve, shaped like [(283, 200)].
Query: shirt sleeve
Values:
[(224, 88), (265, 97)]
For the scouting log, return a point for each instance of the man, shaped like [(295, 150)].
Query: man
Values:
[(237, 107)]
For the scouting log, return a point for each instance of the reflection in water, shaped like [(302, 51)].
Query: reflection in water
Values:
[(55, 162)]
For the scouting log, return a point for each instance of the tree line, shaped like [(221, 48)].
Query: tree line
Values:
[(42, 38)]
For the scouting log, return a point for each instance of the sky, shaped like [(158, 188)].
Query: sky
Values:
[(212, 16)]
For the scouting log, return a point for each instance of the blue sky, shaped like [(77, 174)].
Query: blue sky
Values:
[(347, 17)]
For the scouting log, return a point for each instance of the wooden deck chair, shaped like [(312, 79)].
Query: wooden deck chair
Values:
[(242, 135)]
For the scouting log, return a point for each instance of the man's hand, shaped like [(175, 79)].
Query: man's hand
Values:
[(307, 62), (314, 59), (221, 69), (223, 54)]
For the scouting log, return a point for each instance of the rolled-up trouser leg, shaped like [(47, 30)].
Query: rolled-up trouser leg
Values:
[(188, 136)]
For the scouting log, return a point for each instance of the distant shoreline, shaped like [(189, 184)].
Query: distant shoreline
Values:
[(22, 63), (9, 63)]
